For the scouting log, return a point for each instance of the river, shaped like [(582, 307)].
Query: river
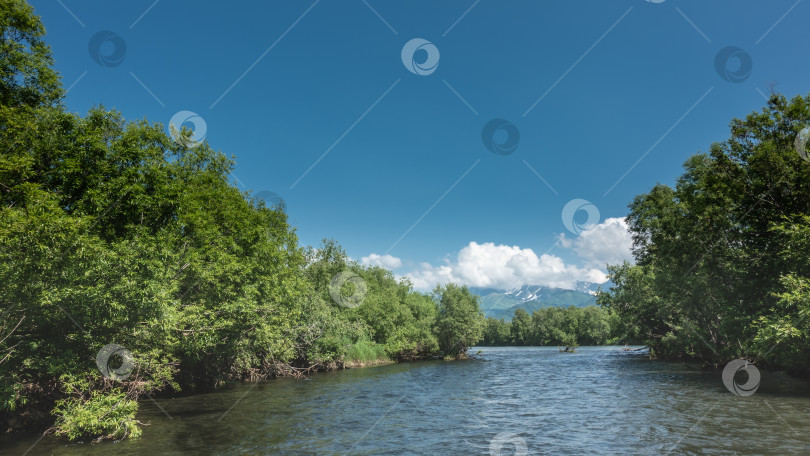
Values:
[(511, 400)]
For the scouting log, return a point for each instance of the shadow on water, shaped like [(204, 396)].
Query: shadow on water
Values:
[(598, 400)]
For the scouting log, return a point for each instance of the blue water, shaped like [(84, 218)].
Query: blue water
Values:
[(511, 400)]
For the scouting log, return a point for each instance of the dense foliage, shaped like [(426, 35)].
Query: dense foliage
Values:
[(113, 233), (722, 268), (563, 326)]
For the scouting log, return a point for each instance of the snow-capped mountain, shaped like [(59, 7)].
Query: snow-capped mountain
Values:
[(502, 303), (591, 287), (528, 293)]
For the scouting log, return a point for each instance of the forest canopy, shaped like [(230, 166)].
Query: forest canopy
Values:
[(131, 265), (557, 326), (722, 268)]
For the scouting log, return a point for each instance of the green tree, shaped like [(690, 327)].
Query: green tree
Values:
[(497, 332), (27, 78), (719, 257), (594, 327), (114, 233), (460, 321), (521, 328)]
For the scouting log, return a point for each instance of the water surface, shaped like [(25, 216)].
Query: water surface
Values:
[(599, 400)]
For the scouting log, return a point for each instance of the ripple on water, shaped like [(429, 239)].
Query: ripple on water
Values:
[(596, 401)]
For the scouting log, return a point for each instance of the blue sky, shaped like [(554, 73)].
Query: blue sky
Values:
[(591, 87)]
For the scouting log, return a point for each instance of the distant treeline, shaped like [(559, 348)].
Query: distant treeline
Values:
[(563, 326), (131, 265), (723, 258)]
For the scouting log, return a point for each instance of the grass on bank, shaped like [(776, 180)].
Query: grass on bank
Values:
[(365, 352)]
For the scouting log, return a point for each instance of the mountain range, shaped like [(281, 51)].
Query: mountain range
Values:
[(502, 304)]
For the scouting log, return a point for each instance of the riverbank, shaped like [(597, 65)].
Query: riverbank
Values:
[(553, 403), (134, 266), (357, 364), (33, 418)]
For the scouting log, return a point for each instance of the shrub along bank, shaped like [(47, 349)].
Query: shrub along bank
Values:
[(131, 265)]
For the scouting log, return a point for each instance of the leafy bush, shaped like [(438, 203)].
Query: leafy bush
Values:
[(114, 233), (108, 415), (721, 258)]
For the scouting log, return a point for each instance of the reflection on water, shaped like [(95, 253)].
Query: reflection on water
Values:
[(599, 400)]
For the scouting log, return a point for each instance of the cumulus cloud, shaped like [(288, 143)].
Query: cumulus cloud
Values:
[(609, 242), (386, 261), (503, 266)]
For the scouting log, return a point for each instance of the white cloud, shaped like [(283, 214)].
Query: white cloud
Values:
[(386, 261), (610, 242), (503, 266)]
